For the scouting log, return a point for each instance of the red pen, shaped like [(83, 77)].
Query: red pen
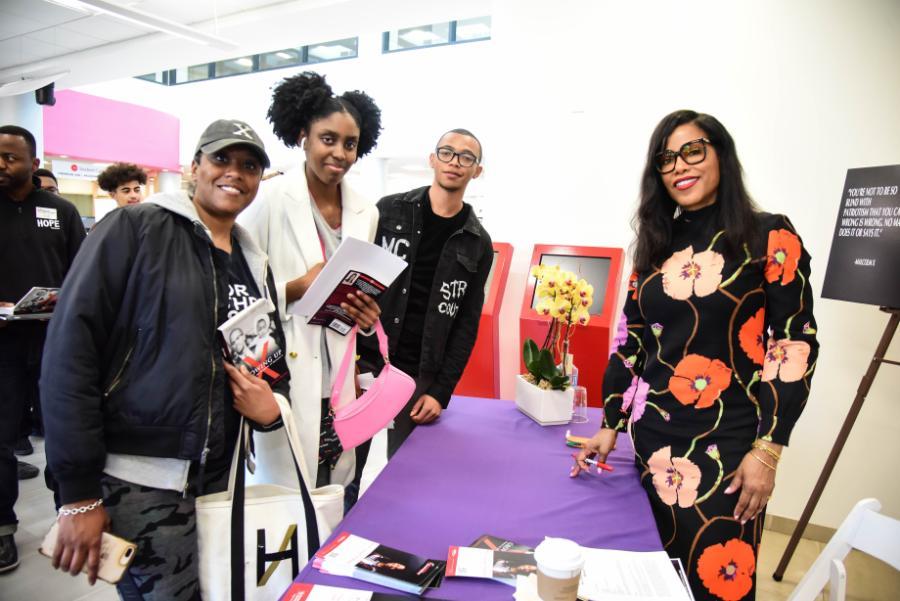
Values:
[(600, 465)]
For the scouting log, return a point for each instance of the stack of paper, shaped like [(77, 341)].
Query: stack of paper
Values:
[(611, 575)]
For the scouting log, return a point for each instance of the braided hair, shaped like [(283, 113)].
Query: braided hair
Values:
[(300, 100)]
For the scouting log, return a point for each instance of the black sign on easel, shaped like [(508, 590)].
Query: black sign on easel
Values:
[(863, 267), (864, 263)]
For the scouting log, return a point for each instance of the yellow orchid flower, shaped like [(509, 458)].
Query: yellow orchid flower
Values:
[(544, 307), (551, 280), (581, 317), (544, 291), (537, 271), (560, 308)]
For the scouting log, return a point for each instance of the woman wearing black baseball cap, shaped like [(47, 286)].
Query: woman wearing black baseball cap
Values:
[(141, 412)]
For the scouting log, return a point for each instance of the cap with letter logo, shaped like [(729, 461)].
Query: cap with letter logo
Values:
[(231, 132)]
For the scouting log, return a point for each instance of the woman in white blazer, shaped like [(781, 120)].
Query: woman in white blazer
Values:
[(299, 219)]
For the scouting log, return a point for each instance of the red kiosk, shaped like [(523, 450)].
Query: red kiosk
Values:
[(482, 374), (602, 268)]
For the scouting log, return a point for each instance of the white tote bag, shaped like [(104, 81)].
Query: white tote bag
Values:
[(253, 541)]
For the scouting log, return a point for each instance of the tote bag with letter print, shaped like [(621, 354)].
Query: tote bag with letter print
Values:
[(253, 541), (362, 418)]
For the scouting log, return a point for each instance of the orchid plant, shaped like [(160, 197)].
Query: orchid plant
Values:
[(565, 298)]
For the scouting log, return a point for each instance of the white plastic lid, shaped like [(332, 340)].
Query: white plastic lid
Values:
[(559, 557)]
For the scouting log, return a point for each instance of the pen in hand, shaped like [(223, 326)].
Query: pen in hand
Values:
[(600, 465)]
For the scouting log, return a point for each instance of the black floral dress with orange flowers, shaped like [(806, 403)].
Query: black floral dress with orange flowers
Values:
[(712, 352)]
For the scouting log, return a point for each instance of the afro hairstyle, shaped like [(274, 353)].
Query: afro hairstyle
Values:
[(300, 100), (120, 173)]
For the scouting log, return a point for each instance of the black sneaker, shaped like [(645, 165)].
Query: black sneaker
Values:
[(27, 471), (23, 446), (9, 555)]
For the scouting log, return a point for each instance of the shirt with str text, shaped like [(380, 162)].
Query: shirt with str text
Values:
[(436, 230)]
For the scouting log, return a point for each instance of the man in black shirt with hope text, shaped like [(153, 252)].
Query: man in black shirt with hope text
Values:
[(40, 233)]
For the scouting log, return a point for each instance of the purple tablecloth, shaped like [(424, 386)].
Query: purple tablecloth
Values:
[(485, 468)]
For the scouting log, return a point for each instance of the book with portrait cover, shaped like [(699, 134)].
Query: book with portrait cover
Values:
[(360, 558), (248, 339), (502, 566), (38, 303)]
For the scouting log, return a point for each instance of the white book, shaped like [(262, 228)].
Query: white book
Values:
[(248, 340)]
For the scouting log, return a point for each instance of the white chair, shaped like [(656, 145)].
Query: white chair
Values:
[(864, 529)]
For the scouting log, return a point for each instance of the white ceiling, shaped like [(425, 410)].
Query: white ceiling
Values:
[(40, 38)]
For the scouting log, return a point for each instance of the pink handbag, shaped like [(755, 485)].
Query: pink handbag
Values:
[(359, 420)]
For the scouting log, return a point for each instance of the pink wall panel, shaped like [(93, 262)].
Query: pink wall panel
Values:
[(97, 129)]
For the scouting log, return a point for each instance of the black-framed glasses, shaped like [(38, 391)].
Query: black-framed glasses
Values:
[(445, 154), (692, 152)]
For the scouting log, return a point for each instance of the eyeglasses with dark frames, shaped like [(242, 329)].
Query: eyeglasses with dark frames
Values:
[(692, 152), (445, 154)]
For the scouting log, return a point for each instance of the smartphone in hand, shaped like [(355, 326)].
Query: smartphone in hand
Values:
[(116, 554)]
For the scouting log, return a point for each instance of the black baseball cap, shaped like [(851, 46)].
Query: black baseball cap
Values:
[(230, 132)]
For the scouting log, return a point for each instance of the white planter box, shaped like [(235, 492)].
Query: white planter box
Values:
[(546, 407)]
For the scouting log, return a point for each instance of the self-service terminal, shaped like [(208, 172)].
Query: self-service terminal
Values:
[(602, 268)]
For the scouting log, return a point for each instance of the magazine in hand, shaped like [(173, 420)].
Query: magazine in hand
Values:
[(303, 591), (357, 557), (38, 303), (355, 265), (248, 339)]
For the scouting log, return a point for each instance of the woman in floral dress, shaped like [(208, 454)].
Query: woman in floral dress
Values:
[(714, 354)]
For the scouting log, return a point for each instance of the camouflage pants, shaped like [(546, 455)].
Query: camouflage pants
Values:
[(163, 525)]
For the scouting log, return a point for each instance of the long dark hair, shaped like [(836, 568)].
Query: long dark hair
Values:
[(656, 212)]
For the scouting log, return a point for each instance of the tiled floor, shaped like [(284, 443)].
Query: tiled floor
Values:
[(868, 579)]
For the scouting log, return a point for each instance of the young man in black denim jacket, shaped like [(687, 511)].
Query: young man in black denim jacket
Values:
[(432, 310)]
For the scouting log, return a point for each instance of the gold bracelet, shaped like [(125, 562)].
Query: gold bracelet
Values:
[(758, 444), (765, 463)]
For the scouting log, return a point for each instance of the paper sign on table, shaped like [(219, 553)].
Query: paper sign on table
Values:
[(611, 575)]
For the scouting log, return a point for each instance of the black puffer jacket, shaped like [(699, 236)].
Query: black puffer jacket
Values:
[(132, 364)]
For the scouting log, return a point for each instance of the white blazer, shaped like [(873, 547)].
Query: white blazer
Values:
[(281, 221)]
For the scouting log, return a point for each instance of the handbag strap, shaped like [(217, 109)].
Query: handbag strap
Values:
[(290, 430), (350, 353), (236, 489)]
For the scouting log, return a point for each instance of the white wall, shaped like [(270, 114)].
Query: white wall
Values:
[(564, 98)]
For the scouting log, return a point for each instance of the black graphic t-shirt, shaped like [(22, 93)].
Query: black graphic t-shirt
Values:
[(242, 290), (39, 237), (436, 230)]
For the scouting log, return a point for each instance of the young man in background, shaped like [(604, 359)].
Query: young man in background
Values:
[(123, 182)]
